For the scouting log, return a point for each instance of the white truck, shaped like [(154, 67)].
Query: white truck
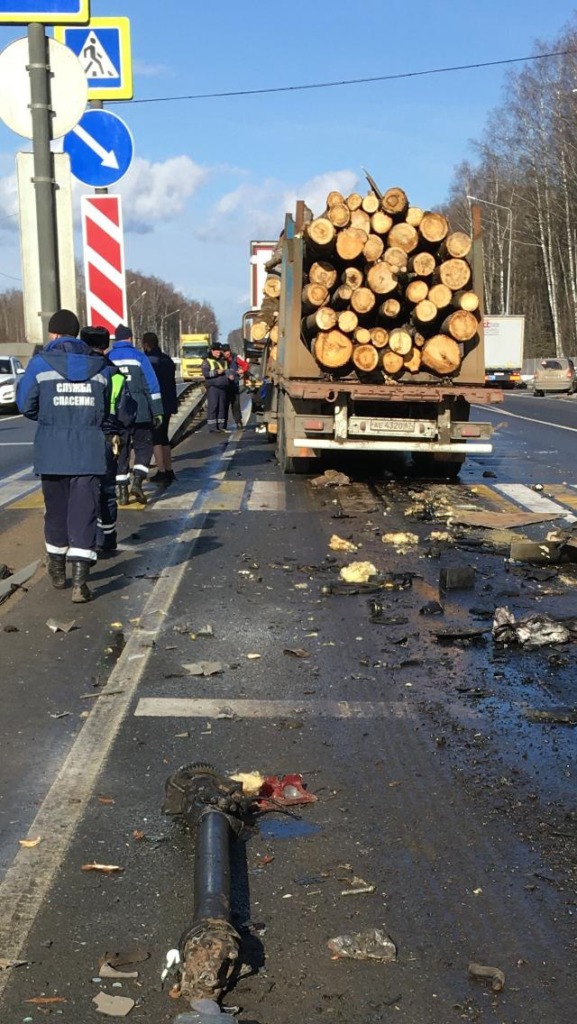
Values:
[(504, 341)]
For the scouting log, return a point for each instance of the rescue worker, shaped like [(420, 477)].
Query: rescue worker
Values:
[(215, 375), (232, 401), (122, 415), (165, 371), (65, 388), (145, 390)]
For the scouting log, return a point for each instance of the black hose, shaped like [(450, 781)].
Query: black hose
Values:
[(212, 868)]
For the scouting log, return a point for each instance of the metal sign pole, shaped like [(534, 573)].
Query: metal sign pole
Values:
[(44, 180)]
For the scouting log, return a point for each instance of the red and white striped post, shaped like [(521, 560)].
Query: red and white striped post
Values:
[(104, 268)]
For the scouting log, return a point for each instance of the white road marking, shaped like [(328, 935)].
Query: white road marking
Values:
[(32, 873), (267, 495), (533, 501), (190, 707), (6, 419), (529, 419), (18, 485), (15, 444)]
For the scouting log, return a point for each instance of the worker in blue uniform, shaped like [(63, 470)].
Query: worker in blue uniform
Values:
[(145, 390), (121, 418), (216, 378), (65, 388)]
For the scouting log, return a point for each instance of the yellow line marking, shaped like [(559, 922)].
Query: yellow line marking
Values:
[(227, 497), (565, 495), (494, 498)]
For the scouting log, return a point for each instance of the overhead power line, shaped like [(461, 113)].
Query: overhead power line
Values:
[(356, 81)]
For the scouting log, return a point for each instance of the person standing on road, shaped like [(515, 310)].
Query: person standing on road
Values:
[(116, 426), (165, 371), (214, 371), (66, 389), (145, 390), (234, 373)]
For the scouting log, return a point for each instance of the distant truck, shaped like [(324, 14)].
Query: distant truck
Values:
[(504, 344), (193, 349)]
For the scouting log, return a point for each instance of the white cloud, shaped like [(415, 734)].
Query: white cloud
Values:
[(9, 203), (144, 69)]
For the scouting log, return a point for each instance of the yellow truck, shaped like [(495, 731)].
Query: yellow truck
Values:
[(193, 349)]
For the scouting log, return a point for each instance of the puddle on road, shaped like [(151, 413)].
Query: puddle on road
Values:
[(286, 828)]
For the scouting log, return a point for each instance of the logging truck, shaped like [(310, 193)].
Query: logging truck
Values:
[(373, 334)]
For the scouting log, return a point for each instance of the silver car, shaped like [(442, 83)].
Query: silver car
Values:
[(555, 375), (10, 368)]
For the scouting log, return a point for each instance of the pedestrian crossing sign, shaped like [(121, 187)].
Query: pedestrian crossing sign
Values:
[(103, 48)]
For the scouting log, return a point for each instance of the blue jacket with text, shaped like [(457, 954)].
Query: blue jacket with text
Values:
[(142, 380)]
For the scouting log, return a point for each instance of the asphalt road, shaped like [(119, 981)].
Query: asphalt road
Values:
[(434, 784)]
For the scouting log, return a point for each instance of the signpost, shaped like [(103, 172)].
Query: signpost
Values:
[(100, 148), (104, 50), (44, 12), (104, 267), (68, 88)]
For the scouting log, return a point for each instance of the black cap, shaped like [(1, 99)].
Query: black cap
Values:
[(150, 338), (123, 333), (64, 322), (96, 337), (215, 344)]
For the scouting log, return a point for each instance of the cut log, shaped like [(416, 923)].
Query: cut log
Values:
[(440, 295), (433, 228), (273, 352), (417, 290), (466, 300), (412, 361), (396, 258), (419, 339), (365, 358), (400, 341), (259, 330), (379, 337), (414, 215), (441, 354), (373, 248), (456, 274), (332, 349), (457, 244), (363, 336), (360, 219), (422, 263), (381, 279), (354, 201), (334, 198), (323, 273), (321, 233), (272, 286), (390, 309), (461, 325), (352, 276), (339, 215), (395, 202), (274, 332), (314, 295), (381, 222), (342, 296), (403, 236), (425, 312), (371, 203), (323, 319), (348, 321), (363, 300), (392, 362), (350, 243)]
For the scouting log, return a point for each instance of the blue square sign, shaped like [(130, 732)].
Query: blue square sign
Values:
[(103, 48), (47, 12)]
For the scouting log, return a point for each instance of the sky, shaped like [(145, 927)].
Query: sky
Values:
[(211, 174)]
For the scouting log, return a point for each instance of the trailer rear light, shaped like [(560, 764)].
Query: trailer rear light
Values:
[(569, 373), (314, 425), (470, 430)]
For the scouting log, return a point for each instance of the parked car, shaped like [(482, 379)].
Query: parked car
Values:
[(10, 367), (557, 374)]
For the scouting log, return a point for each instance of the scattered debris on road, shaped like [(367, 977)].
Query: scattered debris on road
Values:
[(337, 543), (553, 716), (532, 631), (204, 668), (331, 478), (113, 1006), (401, 541), (373, 944), (105, 869), (60, 627), (492, 974), (358, 572), (8, 965), (29, 844), (457, 578)]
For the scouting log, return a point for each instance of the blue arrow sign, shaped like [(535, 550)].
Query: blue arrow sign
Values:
[(48, 12), (100, 148)]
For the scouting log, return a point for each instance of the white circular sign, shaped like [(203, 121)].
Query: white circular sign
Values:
[(68, 88)]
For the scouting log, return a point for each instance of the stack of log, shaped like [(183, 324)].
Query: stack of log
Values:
[(387, 290)]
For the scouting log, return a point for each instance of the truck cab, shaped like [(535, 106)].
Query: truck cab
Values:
[(194, 348)]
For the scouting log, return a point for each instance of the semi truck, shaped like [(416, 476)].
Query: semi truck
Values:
[(193, 349), (504, 346), (312, 413)]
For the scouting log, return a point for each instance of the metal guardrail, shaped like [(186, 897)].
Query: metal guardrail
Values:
[(190, 399)]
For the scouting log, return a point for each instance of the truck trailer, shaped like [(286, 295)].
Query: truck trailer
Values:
[(313, 411)]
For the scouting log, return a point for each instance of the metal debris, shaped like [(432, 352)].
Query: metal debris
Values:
[(532, 631), (373, 944), (60, 627)]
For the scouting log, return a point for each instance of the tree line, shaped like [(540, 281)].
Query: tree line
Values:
[(525, 169)]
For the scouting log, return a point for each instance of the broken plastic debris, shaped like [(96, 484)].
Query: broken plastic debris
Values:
[(106, 869), (113, 1006), (207, 630), (28, 844), (60, 627), (204, 668), (337, 543), (358, 572), (285, 791), (531, 632), (432, 608), (106, 971), (492, 974), (373, 944)]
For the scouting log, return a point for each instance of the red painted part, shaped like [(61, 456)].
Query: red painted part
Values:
[(286, 791)]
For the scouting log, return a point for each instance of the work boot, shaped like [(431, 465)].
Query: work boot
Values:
[(57, 570), (160, 478), (80, 591), (122, 493), (138, 478)]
